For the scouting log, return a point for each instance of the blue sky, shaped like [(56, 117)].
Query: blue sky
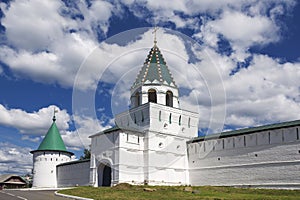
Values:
[(235, 62)]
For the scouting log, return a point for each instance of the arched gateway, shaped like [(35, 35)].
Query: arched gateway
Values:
[(104, 175)]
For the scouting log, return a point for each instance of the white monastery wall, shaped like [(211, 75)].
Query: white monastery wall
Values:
[(75, 173), (269, 158)]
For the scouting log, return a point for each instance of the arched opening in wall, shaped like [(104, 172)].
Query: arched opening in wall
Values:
[(152, 96), (169, 99), (137, 101), (104, 175)]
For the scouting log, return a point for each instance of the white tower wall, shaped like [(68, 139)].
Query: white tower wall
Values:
[(164, 132), (44, 167)]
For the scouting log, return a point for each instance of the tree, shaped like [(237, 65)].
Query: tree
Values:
[(86, 154)]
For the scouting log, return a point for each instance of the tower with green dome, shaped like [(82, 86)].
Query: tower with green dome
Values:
[(51, 152)]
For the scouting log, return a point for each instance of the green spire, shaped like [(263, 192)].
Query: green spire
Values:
[(154, 70), (53, 140)]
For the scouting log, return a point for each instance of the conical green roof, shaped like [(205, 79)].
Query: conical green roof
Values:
[(154, 70), (53, 140)]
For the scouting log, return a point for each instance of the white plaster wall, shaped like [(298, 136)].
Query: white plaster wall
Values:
[(166, 162), (44, 167), (104, 150), (265, 158), (131, 158), (75, 174), (156, 118), (160, 121), (160, 157)]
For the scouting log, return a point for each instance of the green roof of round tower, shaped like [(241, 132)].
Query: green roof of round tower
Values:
[(53, 140)]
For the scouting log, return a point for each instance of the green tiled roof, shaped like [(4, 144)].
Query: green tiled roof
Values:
[(154, 70), (52, 141), (248, 130)]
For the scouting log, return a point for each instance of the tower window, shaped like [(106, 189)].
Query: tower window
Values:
[(134, 118), (142, 116), (189, 123), (169, 99), (179, 120), (159, 116), (137, 100), (170, 118), (152, 96)]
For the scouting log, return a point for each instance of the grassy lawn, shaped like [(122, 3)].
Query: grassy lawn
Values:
[(125, 191)]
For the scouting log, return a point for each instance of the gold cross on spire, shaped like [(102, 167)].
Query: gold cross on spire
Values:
[(154, 32)]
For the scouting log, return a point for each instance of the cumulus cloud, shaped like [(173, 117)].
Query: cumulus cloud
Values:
[(55, 51), (241, 30), (15, 159), (46, 43), (34, 123), (85, 127), (267, 91)]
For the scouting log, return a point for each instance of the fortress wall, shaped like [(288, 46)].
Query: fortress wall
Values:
[(73, 174), (268, 158)]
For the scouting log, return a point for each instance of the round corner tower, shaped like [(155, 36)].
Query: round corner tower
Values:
[(51, 152)]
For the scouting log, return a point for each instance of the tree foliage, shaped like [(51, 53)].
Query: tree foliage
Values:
[(86, 154)]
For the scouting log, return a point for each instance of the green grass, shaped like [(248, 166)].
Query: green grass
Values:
[(173, 192)]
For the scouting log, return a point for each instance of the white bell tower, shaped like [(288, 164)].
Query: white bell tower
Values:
[(148, 143), (165, 128)]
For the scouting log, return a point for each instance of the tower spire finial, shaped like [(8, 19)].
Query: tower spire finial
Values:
[(54, 111), (154, 32)]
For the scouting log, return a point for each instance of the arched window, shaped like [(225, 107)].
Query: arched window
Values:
[(152, 96), (137, 99), (169, 99)]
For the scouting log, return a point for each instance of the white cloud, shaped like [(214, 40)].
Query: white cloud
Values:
[(267, 91), (33, 24), (85, 127), (36, 123), (50, 43), (47, 46), (53, 54), (242, 30), (59, 66), (15, 159)]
